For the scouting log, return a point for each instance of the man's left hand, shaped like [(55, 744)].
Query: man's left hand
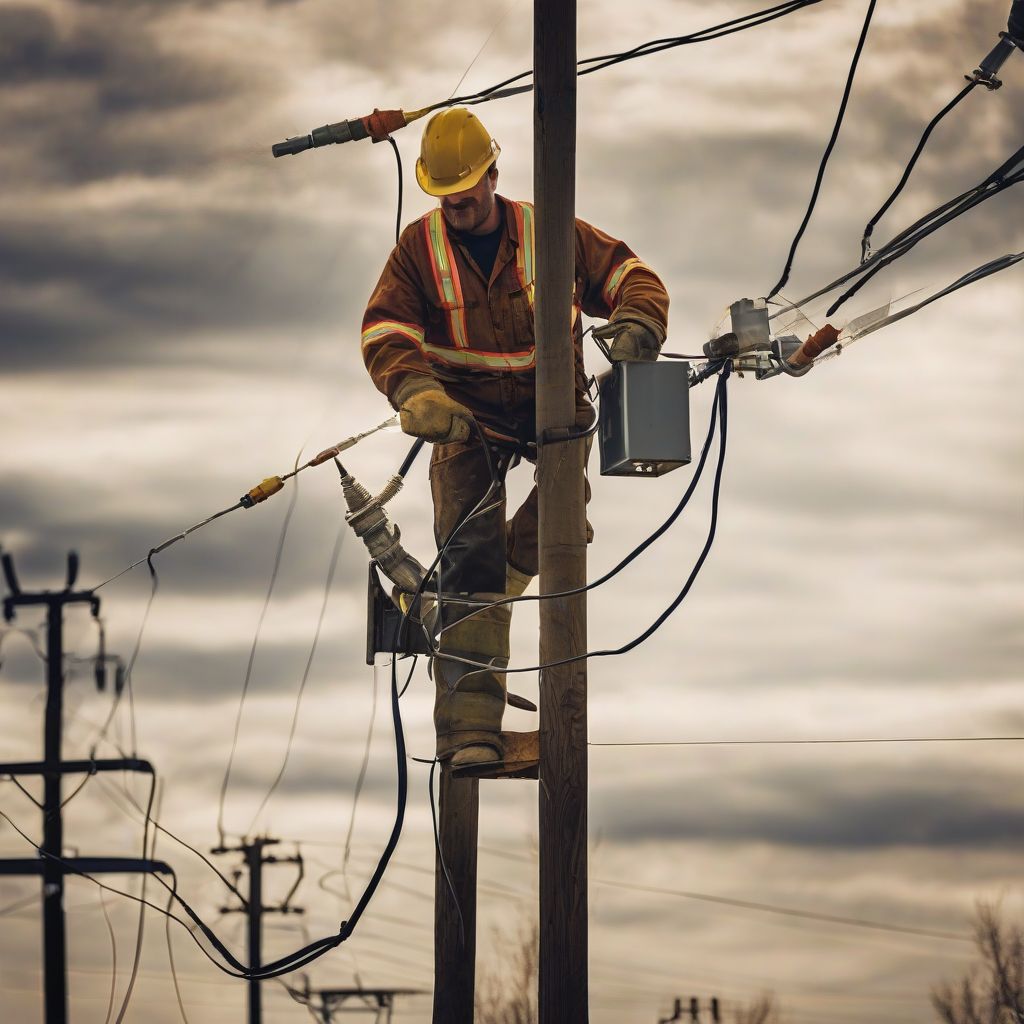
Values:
[(631, 341)]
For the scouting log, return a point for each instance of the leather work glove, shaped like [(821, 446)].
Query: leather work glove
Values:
[(631, 341), (426, 411)]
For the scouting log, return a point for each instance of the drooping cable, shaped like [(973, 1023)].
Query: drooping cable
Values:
[(130, 667), (331, 568), (440, 853), (141, 929), (1010, 173), (170, 960), (117, 795), (971, 277), (113, 957), (257, 494), (358, 790), (865, 245), (408, 678), (282, 537), (718, 419), (820, 177), (589, 65), (903, 244), (19, 904)]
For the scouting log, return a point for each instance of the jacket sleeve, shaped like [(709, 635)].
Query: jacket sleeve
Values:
[(615, 284), (394, 322)]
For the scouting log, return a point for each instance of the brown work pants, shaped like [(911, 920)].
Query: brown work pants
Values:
[(470, 700)]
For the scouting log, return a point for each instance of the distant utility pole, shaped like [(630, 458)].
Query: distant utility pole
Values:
[(677, 1013), (326, 1003), (253, 907), (561, 461), (51, 864)]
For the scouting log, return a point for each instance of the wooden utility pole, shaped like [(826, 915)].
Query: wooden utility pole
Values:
[(455, 913), (562, 984), (561, 461), (254, 909), (52, 865)]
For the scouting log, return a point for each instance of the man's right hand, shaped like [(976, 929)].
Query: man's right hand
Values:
[(429, 413)]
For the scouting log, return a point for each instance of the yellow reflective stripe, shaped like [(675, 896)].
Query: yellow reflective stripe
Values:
[(467, 357), (615, 278), (446, 276), (381, 328), (525, 265)]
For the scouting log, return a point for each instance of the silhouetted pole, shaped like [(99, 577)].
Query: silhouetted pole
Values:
[(51, 864), (254, 862), (563, 548), (254, 908)]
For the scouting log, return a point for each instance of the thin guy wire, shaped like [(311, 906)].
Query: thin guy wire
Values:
[(140, 933), (483, 46), (771, 908), (332, 566), (809, 742), (357, 792), (113, 956), (252, 653)]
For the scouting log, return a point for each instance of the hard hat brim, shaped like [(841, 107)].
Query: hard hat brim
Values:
[(449, 186)]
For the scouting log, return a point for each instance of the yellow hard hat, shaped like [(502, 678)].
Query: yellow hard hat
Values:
[(455, 152)]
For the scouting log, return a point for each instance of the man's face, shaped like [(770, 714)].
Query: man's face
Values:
[(471, 210)]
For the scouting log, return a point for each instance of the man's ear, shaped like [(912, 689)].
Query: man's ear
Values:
[(492, 174)]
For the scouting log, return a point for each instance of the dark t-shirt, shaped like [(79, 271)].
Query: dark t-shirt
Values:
[(483, 249)]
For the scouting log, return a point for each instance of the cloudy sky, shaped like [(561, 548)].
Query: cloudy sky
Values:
[(179, 316)]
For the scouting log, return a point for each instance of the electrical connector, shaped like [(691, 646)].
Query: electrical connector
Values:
[(261, 491)]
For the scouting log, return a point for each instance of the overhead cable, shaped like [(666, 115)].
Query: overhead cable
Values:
[(865, 244), (642, 546), (722, 412), (311, 951), (771, 908), (258, 494), (332, 566), (1008, 174), (875, 324), (282, 537), (807, 742), (820, 177), (381, 123)]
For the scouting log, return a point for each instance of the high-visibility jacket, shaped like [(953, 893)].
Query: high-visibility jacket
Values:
[(433, 314)]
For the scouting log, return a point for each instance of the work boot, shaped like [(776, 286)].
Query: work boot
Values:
[(470, 701)]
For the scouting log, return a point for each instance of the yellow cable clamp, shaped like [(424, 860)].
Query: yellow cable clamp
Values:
[(262, 491)]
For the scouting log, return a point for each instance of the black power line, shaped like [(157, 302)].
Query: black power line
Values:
[(820, 177)]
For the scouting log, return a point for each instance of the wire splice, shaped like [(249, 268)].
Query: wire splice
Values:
[(262, 491)]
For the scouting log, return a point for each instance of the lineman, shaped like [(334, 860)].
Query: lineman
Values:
[(448, 338)]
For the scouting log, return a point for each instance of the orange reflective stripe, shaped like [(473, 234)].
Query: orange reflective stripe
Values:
[(446, 276), (382, 328), (616, 277)]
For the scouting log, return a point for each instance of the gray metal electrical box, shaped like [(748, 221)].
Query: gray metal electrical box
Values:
[(645, 418)]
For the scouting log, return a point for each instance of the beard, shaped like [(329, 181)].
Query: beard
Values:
[(466, 214)]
